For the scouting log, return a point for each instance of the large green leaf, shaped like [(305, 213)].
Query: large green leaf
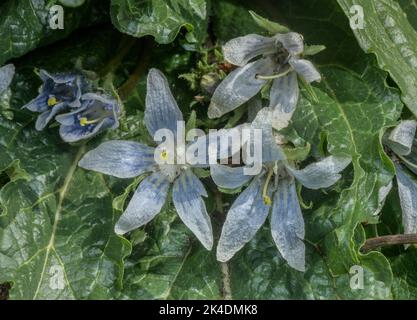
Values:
[(402, 260), (160, 18), (56, 220), (56, 223), (353, 107), (24, 25), (389, 35), (168, 263)]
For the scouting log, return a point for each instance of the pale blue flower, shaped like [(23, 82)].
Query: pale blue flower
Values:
[(97, 113), (127, 159), (273, 190), (281, 60), (58, 92)]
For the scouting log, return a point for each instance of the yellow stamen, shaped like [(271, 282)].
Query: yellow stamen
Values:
[(164, 155), (274, 76), (84, 121), (52, 101), (267, 200), (265, 197)]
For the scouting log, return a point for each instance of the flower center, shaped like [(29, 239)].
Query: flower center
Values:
[(94, 115), (171, 171), (164, 155), (265, 197), (52, 101), (84, 121)]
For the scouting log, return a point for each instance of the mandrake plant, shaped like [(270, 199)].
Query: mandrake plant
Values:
[(235, 150)]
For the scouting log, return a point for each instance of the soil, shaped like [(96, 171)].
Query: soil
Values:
[(4, 291)]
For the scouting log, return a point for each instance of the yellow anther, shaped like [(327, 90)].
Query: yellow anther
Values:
[(267, 200), (52, 101), (164, 155), (84, 121)]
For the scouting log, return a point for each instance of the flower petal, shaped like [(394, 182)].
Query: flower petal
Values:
[(6, 76), (247, 214), (254, 106), (96, 114), (407, 189), (186, 194), (287, 225), (293, 42), (118, 158), (239, 51), (145, 204), (68, 119), (382, 196), (305, 69), (39, 104), (213, 139), (77, 132), (58, 77), (401, 137), (229, 177), (321, 174), (283, 100), (271, 151), (44, 118), (411, 159), (239, 86), (162, 111)]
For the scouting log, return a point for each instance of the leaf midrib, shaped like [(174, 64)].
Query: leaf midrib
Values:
[(57, 217)]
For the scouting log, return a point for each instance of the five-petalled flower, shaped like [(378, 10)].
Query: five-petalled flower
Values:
[(274, 190), (281, 60), (58, 92), (97, 113), (127, 159)]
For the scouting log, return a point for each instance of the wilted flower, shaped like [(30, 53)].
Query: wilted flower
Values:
[(403, 143), (58, 92), (127, 159), (274, 190), (96, 114), (281, 61)]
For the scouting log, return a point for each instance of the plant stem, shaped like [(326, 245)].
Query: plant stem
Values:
[(226, 288), (383, 241), (140, 68), (125, 45)]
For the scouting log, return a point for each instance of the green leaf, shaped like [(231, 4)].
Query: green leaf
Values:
[(171, 264), (6, 77), (389, 35), (258, 272), (57, 220), (354, 107), (24, 25), (313, 50), (160, 18), (402, 261), (271, 27)]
